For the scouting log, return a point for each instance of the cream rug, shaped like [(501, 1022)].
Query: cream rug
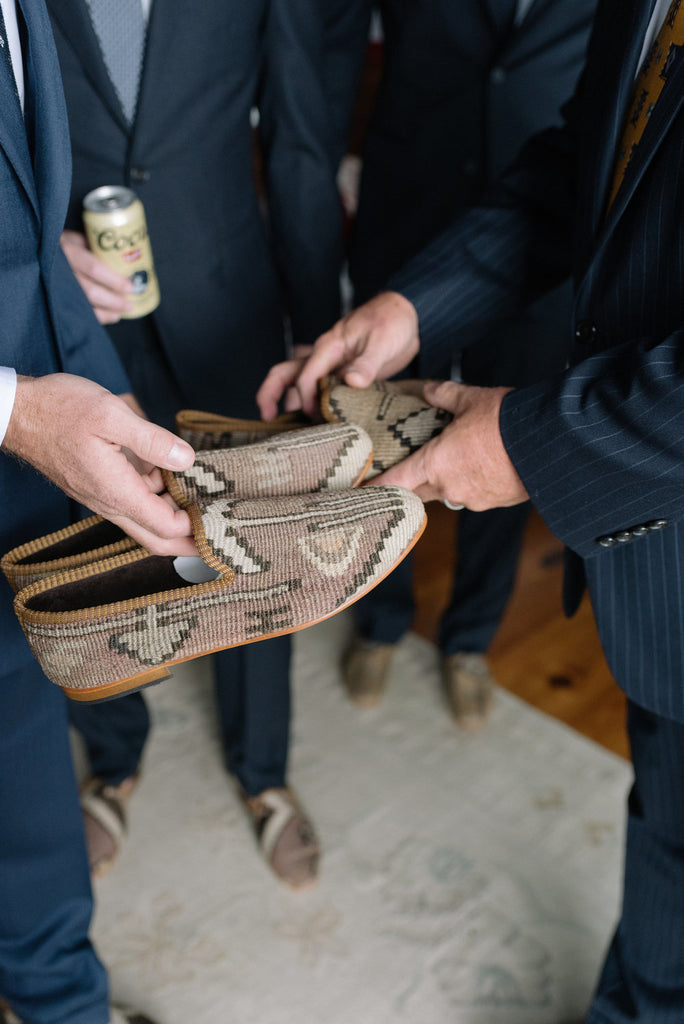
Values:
[(465, 879)]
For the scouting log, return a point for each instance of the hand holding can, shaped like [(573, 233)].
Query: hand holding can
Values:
[(116, 229)]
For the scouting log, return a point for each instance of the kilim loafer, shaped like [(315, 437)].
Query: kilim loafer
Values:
[(323, 458), (318, 458), (394, 414), (89, 540), (205, 430), (284, 563)]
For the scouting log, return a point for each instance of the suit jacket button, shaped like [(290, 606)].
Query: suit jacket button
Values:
[(585, 331), (656, 524), (640, 531), (608, 541), (140, 174), (624, 536)]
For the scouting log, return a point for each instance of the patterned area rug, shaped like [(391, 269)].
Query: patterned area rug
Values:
[(465, 879)]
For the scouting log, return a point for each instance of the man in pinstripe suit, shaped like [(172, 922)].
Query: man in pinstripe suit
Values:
[(598, 448)]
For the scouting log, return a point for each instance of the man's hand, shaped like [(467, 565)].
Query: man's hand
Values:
[(467, 463), (97, 450), (108, 292), (373, 342)]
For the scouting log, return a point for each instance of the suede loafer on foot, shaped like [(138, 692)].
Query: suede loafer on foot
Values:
[(394, 414), (280, 564), (285, 835)]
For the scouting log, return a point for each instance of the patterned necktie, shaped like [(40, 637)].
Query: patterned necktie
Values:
[(648, 86), (120, 28)]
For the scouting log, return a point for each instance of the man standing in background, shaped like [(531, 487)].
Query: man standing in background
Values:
[(160, 98), (463, 87)]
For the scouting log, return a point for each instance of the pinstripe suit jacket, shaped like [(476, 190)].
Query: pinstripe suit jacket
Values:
[(599, 447)]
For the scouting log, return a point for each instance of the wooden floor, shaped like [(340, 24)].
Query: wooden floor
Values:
[(552, 662)]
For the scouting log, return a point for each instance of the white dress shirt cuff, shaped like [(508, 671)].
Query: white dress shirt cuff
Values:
[(8, 390)]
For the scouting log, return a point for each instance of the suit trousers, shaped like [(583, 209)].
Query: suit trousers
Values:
[(643, 976), (252, 685), (48, 969), (488, 547)]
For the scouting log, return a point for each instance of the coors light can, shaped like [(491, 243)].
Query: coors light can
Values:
[(115, 224)]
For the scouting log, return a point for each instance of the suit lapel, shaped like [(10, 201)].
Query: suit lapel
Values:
[(73, 18), (614, 51), (628, 28), (164, 28), (13, 139), (52, 153), (664, 112)]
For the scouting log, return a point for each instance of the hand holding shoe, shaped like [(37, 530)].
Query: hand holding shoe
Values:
[(375, 341), (466, 463), (98, 451)]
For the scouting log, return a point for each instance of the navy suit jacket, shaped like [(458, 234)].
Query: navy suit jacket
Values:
[(189, 156), (600, 447), (47, 324), (461, 92)]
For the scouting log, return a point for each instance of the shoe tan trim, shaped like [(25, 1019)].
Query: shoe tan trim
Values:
[(14, 570), (109, 690), (213, 423)]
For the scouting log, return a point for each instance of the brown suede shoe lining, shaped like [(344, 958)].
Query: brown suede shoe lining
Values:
[(147, 576), (99, 535)]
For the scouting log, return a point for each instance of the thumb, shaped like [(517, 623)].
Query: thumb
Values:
[(443, 394), (156, 445), (361, 372)]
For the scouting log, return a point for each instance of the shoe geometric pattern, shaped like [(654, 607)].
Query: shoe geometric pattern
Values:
[(394, 414), (322, 458), (285, 563)]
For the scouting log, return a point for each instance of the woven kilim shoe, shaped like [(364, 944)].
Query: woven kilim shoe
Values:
[(284, 563), (90, 540), (394, 414), (205, 430), (325, 457), (328, 457)]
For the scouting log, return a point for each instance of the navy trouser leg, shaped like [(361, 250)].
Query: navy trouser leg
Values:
[(114, 733), (488, 551), (48, 970), (253, 699), (387, 612), (643, 977)]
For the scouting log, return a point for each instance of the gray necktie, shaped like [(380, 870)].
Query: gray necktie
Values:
[(120, 28)]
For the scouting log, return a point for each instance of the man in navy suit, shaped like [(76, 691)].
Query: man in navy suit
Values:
[(72, 430), (597, 447), (464, 86), (228, 280)]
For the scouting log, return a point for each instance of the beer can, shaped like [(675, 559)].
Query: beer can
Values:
[(116, 229)]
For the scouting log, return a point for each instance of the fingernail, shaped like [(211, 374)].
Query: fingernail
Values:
[(181, 456)]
